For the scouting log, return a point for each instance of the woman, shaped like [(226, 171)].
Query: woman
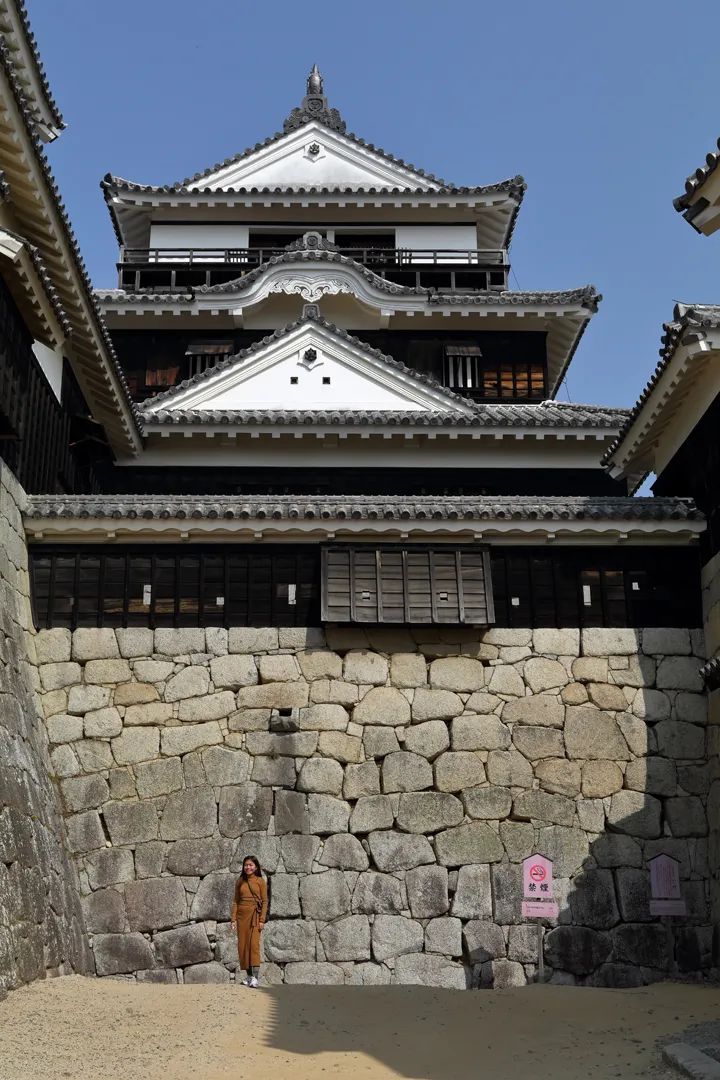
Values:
[(248, 917)]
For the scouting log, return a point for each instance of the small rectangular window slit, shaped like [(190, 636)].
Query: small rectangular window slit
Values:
[(147, 595), (587, 596), (293, 380), (326, 380), (292, 593)]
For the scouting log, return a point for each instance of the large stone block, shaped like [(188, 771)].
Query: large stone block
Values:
[(266, 849), (577, 949), (321, 775), (290, 812), (458, 673), (471, 732), (643, 944), (85, 832), (91, 643), (483, 702), (53, 646), (680, 741), (372, 812), (149, 859), (327, 717), (615, 849), (135, 641), (131, 822), (189, 814), (428, 812), (597, 641), (64, 762), (155, 903), (153, 671), (121, 954), (591, 733), (225, 766), (250, 639), (636, 814), (541, 806), (487, 802), (651, 705), (473, 843), (298, 852), (540, 710), (592, 900), (148, 713), (191, 682), (508, 768), (444, 936), (377, 894), (666, 641), (245, 808), (63, 728), (341, 747), (344, 852), (285, 896), (183, 740), (538, 742), (320, 974), (320, 664), (84, 792), (654, 775), (211, 707), (558, 776), (274, 771), (361, 780), (289, 940), (196, 858), (568, 848), (686, 816), (404, 771), (607, 696), (103, 724), (109, 867), (325, 896), (347, 939), (484, 941), (83, 699), (181, 642), (58, 676), (600, 779), (206, 973), (507, 681), (393, 851), (473, 898), (380, 741), (692, 708), (134, 745), (435, 705), (333, 692), (394, 936), (423, 969), (282, 668), (680, 673), (186, 945), (383, 706), (408, 670), (107, 671), (365, 668), (104, 912), (541, 674), (427, 890), (158, 777), (327, 815), (557, 642), (459, 769), (230, 672), (633, 894), (276, 695), (214, 898), (428, 739)]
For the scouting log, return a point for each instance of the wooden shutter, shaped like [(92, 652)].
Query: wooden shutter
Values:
[(413, 585)]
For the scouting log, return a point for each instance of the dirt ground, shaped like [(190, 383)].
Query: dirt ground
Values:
[(89, 1029)]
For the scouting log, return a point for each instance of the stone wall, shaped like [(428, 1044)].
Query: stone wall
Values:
[(391, 782), (711, 617), (40, 916)]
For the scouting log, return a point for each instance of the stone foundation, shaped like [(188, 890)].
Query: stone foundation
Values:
[(41, 927), (390, 782)]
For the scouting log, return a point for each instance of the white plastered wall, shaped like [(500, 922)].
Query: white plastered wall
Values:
[(192, 237), (51, 362)]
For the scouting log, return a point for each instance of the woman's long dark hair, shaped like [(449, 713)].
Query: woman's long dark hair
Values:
[(258, 868)]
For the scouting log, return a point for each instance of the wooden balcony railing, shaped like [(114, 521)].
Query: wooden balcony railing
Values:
[(178, 269)]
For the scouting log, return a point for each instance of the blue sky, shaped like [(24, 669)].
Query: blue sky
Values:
[(603, 108)]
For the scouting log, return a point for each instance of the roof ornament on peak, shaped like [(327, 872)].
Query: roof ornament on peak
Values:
[(312, 241), (314, 107)]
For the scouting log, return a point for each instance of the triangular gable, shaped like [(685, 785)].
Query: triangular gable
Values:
[(316, 156), (309, 366)]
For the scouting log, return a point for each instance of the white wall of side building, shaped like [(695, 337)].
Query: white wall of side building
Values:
[(51, 361), (192, 237), (436, 237)]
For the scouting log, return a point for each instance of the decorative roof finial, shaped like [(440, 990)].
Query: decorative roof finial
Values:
[(315, 81)]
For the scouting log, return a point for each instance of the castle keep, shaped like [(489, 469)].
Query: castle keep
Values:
[(304, 559)]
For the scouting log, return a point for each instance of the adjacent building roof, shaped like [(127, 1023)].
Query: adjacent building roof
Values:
[(513, 519), (19, 40), (19, 242), (43, 222), (689, 336), (699, 205)]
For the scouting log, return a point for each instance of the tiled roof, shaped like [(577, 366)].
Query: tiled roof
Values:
[(338, 507), (587, 296), (32, 47), (547, 414), (698, 317), (310, 315), (697, 179), (44, 278), (28, 120)]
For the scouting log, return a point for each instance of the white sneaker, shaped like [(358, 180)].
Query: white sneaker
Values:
[(247, 982), (254, 984)]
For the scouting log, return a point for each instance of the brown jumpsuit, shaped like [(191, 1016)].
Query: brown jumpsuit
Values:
[(249, 910)]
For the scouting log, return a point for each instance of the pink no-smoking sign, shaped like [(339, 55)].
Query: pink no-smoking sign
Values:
[(537, 878)]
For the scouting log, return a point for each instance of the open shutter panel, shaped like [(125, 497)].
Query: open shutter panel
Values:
[(412, 585)]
